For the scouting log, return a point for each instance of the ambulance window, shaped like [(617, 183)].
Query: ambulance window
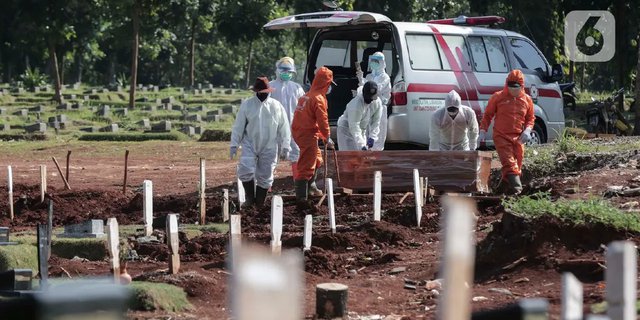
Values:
[(423, 53), (527, 56), (480, 60), (456, 44), (334, 53), (495, 51)]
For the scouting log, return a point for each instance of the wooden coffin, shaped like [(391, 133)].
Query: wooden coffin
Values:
[(450, 171)]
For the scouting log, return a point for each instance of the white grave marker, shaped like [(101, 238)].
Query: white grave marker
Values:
[(276, 224), (571, 297), (241, 197), (377, 195), (621, 275), (306, 238), (417, 192), (225, 205), (10, 186), (147, 212), (113, 237), (43, 182), (332, 206), (458, 259), (173, 243), (203, 188), (235, 229)]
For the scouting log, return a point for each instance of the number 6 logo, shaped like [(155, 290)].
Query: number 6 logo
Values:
[(589, 36)]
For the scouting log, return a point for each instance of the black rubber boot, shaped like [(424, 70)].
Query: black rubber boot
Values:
[(301, 190), (313, 188), (249, 193), (261, 196), (516, 185)]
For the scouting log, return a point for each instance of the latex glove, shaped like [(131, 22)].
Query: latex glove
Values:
[(370, 142), (360, 76), (330, 144), (482, 136), (526, 135), (232, 152), (284, 154)]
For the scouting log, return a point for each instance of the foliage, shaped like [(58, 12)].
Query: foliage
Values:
[(91, 249), (568, 143), (32, 78), (149, 296), (579, 212)]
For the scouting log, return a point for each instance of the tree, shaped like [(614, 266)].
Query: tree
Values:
[(636, 129)]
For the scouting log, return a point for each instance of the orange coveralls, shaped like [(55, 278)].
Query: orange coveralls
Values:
[(512, 116), (310, 123)]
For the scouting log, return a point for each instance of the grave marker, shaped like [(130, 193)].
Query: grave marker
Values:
[(276, 224), (377, 195), (173, 243), (4, 235), (145, 124), (203, 192), (308, 225), (10, 191), (241, 196), (225, 205), (43, 255), (114, 247), (110, 128), (331, 301), (417, 195), (571, 297), (93, 228), (147, 211), (104, 111), (36, 127), (22, 113), (162, 126), (621, 275), (50, 225), (235, 233), (43, 182), (332, 206)]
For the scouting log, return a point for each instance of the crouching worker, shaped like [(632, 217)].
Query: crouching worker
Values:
[(311, 124), (362, 112), (453, 127), (261, 126), (514, 117)]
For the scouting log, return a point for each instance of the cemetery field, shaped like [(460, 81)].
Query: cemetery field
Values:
[(391, 266)]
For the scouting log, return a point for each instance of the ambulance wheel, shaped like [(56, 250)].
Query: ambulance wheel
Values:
[(537, 135)]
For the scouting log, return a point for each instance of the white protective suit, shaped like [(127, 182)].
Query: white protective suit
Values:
[(382, 79), (458, 133), (354, 122), (287, 93), (260, 127)]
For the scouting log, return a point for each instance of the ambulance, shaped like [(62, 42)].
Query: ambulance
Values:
[(426, 61)]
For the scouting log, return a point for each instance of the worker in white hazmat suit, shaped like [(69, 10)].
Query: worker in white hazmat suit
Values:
[(453, 127), (378, 75), (287, 92), (362, 112), (261, 127)]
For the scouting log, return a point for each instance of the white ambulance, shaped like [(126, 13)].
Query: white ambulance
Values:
[(425, 62)]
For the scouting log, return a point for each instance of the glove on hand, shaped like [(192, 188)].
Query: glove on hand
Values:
[(370, 142), (232, 152), (525, 137), (284, 154)]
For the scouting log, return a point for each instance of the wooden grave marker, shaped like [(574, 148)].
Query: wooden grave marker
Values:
[(10, 191), (147, 211), (308, 226), (417, 195), (377, 195), (225, 205), (64, 179), (621, 275), (126, 171), (332, 206), (43, 255), (173, 243), (50, 226), (203, 195), (572, 292), (458, 252), (43, 182), (276, 224), (113, 238)]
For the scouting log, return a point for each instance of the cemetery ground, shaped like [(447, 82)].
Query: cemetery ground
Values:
[(580, 196)]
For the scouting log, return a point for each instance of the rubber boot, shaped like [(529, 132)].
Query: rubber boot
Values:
[(261, 196), (313, 188), (516, 185), (249, 193), (301, 190), (294, 170)]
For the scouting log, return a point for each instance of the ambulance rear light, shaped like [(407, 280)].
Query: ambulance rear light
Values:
[(400, 94), (471, 21)]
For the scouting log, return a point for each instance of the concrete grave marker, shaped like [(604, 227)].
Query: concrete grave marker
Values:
[(43, 182), (123, 112), (90, 129), (22, 113), (188, 130), (213, 118), (173, 243), (276, 224), (36, 128), (308, 226), (621, 275), (199, 130), (145, 124), (4, 234), (214, 112), (377, 195), (235, 234), (194, 118), (43, 255), (104, 111), (114, 247), (3, 111), (225, 205), (89, 229), (64, 106), (37, 109), (203, 191), (571, 297), (332, 206), (175, 107), (10, 190), (331, 301), (16, 280), (162, 126), (5, 127), (147, 212), (110, 128), (417, 192), (149, 108), (168, 100), (199, 108), (230, 109)]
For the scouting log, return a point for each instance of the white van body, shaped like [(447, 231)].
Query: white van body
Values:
[(425, 62)]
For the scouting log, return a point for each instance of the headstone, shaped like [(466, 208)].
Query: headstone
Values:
[(76, 106), (3, 111), (10, 190), (158, 101), (214, 112), (331, 203), (36, 128), (308, 226), (276, 224), (22, 112), (228, 91), (184, 96), (144, 89), (4, 235), (35, 89), (377, 195), (176, 108), (90, 129), (43, 182), (196, 92), (119, 88), (104, 111), (235, 234), (16, 280), (621, 275), (168, 100), (43, 255), (5, 127), (180, 90), (212, 118), (147, 212), (173, 243), (60, 118), (230, 109), (104, 90), (200, 86), (162, 126), (417, 193), (571, 297), (113, 240), (241, 195), (110, 128), (37, 109), (194, 118), (86, 98), (149, 108), (199, 130), (203, 190), (123, 112), (225, 205), (155, 89), (76, 86), (145, 123), (89, 229)]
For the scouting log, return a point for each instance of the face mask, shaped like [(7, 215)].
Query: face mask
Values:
[(286, 76), (514, 92), (375, 65), (370, 99), (329, 90), (452, 111), (262, 96)]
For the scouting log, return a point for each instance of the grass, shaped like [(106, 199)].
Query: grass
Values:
[(579, 212), (601, 308), (20, 256), (149, 296), (92, 249)]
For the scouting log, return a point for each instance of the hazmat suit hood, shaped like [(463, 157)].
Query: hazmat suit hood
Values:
[(378, 56), (452, 99), (322, 80), (285, 64), (514, 76)]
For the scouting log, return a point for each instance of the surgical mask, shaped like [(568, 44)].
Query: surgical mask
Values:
[(514, 92), (262, 96), (286, 76)]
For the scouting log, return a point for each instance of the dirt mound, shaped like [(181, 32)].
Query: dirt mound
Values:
[(215, 135), (406, 216), (193, 283)]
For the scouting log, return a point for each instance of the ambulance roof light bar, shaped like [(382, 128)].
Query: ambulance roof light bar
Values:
[(471, 21)]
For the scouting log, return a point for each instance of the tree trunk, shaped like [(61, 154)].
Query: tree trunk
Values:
[(249, 63), (56, 73), (62, 69), (78, 77), (621, 46), (192, 54), (636, 129), (135, 19)]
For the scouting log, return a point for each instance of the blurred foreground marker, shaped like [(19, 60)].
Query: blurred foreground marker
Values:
[(331, 300), (571, 297), (621, 275)]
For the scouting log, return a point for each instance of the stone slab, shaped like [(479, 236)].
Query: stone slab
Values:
[(89, 229), (37, 127), (162, 126)]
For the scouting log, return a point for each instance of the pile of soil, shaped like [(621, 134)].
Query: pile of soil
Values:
[(193, 283)]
